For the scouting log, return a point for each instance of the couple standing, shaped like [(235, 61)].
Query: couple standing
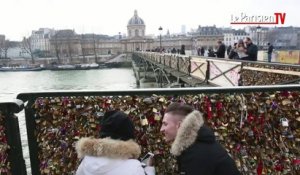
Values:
[(193, 144)]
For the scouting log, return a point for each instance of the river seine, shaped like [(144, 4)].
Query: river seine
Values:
[(13, 83)]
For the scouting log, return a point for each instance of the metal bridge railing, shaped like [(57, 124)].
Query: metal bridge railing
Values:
[(257, 125), (224, 72), (11, 155)]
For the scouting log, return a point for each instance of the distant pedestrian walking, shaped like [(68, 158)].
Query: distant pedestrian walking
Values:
[(173, 50), (199, 51), (270, 51), (221, 50), (228, 50), (202, 51), (182, 50)]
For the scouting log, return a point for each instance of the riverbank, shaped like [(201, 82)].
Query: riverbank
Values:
[(66, 67)]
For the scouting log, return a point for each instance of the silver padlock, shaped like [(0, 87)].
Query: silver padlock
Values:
[(284, 122), (250, 133)]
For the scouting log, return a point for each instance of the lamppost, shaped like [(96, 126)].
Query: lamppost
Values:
[(258, 30), (119, 35), (194, 46), (160, 31)]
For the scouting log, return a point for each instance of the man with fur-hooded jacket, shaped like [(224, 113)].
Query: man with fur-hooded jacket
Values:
[(115, 153), (194, 144)]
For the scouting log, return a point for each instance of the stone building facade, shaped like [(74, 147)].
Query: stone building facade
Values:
[(136, 38), (66, 43), (40, 40), (207, 37), (233, 36)]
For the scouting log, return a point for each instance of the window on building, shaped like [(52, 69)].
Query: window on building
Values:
[(136, 32)]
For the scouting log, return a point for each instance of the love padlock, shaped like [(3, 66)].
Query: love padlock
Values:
[(284, 122), (144, 121)]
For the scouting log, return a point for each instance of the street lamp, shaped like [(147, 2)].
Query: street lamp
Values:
[(160, 31), (258, 30), (119, 35)]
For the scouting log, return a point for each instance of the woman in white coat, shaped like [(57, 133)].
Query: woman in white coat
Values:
[(115, 153)]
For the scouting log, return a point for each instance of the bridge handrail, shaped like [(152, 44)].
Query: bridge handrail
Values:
[(222, 73), (149, 91), (15, 162), (226, 59)]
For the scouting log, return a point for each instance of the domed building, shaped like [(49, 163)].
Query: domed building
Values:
[(136, 26), (136, 39)]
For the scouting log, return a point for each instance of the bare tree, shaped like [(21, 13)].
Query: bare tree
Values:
[(6, 45), (271, 36), (2, 41), (1, 50), (27, 47), (70, 49), (57, 48), (82, 46), (95, 51), (1, 47)]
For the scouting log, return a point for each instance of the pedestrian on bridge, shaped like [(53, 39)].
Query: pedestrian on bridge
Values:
[(194, 144), (270, 51), (202, 51), (221, 50), (115, 152), (241, 50), (182, 50), (233, 52), (229, 48), (173, 50), (251, 50), (199, 51), (211, 53)]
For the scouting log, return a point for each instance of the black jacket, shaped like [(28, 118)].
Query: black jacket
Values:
[(251, 52), (221, 51), (211, 54), (197, 151), (233, 54), (270, 49)]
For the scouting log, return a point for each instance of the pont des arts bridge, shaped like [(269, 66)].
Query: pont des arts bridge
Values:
[(173, 70), (258, 125)]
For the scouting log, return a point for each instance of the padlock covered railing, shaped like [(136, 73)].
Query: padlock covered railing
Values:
[(226, 72), (11, 155), (259, 126), (261, 73)]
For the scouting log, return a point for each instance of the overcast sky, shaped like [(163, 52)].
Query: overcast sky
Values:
[(20, 17)]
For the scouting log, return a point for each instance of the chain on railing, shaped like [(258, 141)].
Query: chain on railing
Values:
[(258, 126)]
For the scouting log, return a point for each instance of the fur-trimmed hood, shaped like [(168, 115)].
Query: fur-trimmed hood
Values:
[(187, 133), (106, 147)]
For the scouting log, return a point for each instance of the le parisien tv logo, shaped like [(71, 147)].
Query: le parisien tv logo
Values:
[(245, 19)]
